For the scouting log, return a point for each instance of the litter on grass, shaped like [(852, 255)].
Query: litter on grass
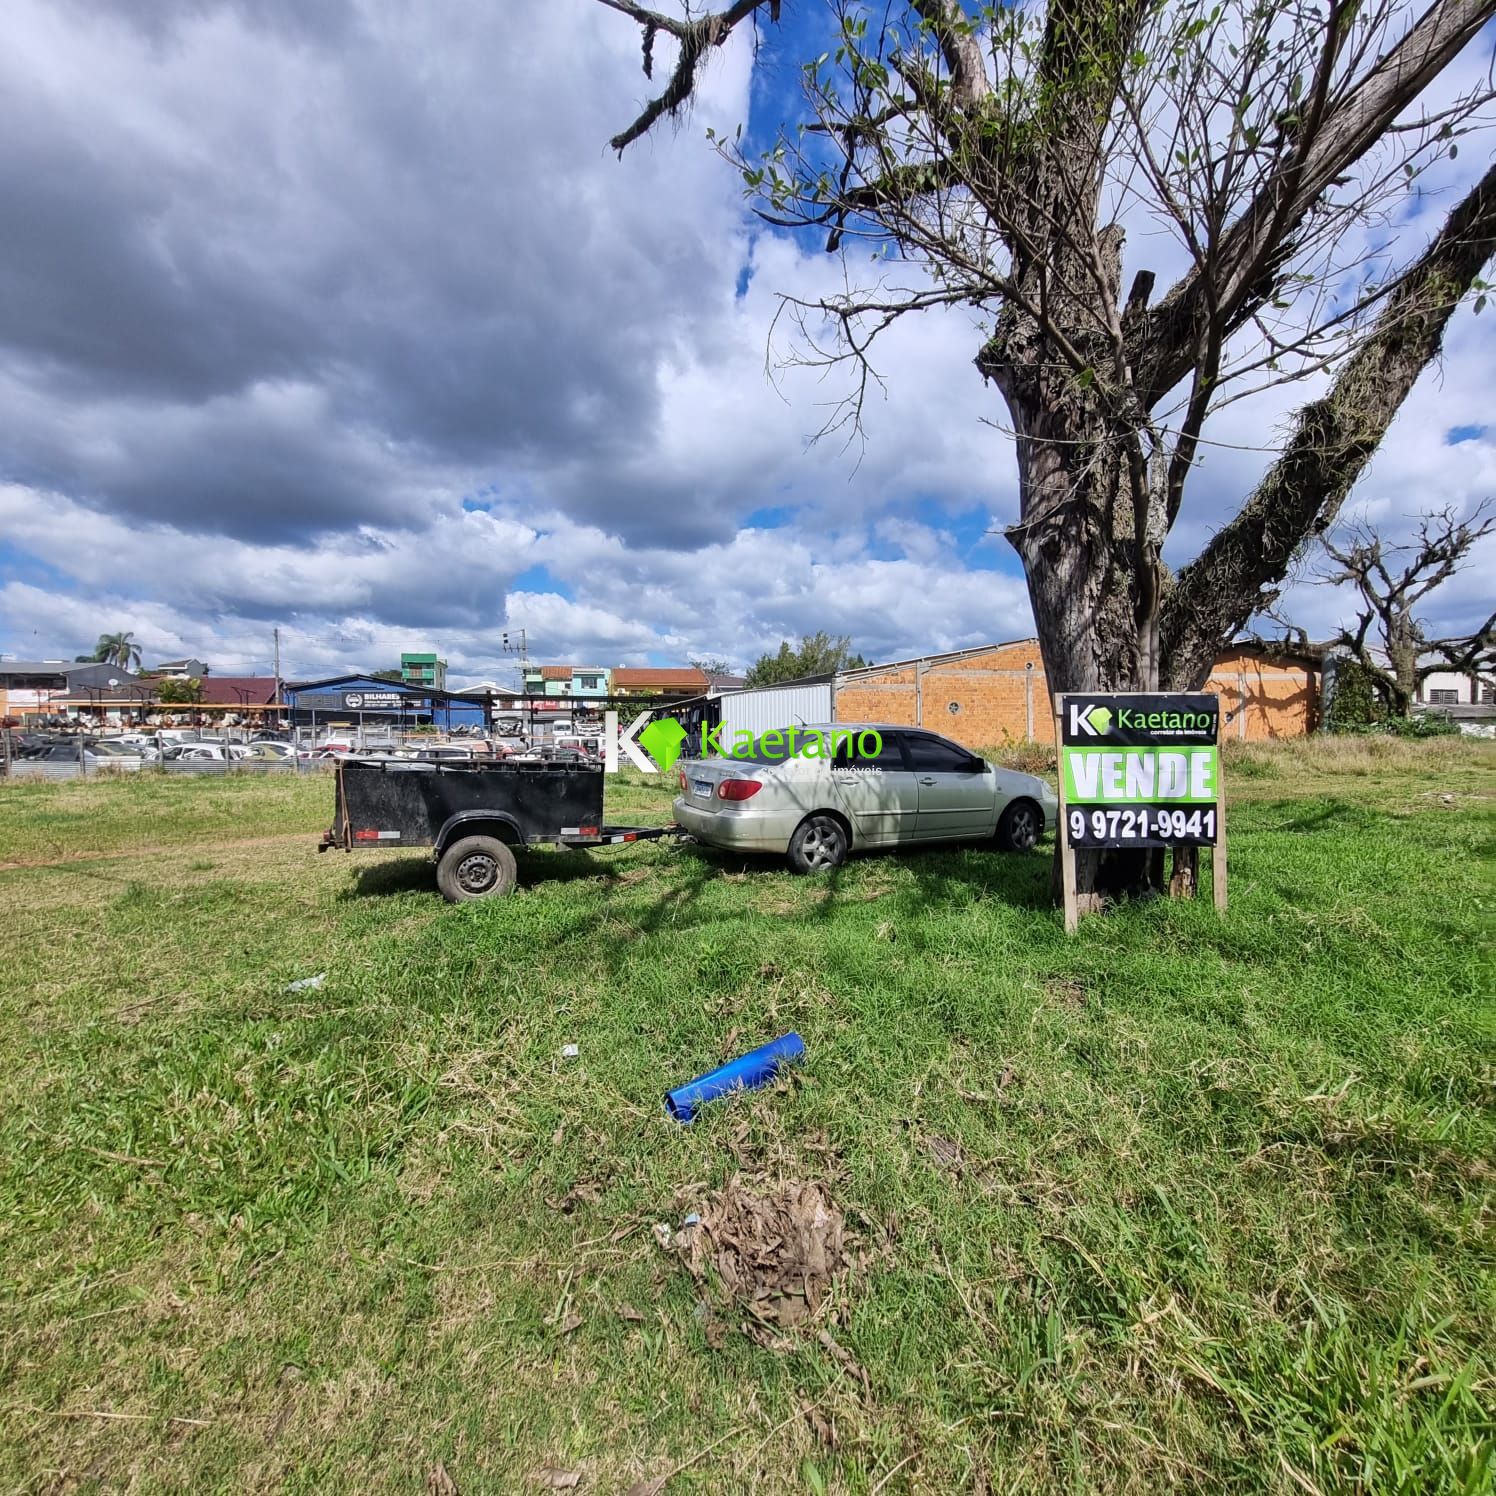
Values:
[(746, 1073), (570, 1051), (307, 983), (775, 1253)]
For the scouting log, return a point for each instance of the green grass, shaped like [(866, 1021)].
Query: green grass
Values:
[(1177, 1203)]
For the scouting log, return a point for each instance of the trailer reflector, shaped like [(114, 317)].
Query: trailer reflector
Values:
[(368, 834)]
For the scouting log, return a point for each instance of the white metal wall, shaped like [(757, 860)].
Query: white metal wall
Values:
[(772, 707)]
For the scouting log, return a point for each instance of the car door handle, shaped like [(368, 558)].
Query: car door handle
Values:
[(927, 780)]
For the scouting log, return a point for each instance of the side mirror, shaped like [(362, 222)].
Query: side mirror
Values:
[(976, 766)]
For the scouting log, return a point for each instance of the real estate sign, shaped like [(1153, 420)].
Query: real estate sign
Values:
[(1140, 770)]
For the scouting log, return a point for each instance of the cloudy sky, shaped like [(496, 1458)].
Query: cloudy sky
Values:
[(341, 317)]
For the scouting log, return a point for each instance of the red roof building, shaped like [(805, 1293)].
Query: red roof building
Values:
[(650, 680), (238, 690)]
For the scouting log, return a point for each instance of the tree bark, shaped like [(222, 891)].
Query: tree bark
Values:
[(1086, 563)]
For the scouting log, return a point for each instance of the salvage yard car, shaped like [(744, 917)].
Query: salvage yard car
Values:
[(819, 792), (214, 753)]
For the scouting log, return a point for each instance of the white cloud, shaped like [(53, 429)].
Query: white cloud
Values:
[(281, 286)]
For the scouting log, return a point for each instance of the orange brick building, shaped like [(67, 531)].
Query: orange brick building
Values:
[(996, 693)]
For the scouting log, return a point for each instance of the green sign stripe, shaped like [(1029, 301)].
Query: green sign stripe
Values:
[(1087, 780)]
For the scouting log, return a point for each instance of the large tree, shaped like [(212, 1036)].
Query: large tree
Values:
[(816, 654), (991, 157), (118, 649)]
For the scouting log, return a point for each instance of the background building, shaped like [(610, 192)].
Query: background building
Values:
[(996, 693), (179, 669), (43, 688), (1456, 688), (668, 683), (348, 701), (423, 670)]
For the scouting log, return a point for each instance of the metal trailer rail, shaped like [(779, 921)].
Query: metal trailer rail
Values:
[(475, 816)]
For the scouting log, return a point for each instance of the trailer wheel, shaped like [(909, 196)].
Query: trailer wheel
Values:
[(477, 867)]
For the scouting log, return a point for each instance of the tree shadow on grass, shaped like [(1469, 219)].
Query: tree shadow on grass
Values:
[(1316, 817), (942, 875), (971, 873)]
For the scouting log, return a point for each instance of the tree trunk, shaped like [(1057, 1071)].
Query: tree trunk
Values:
[(1077, 538)]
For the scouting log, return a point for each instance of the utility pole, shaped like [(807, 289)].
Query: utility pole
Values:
[(277, 667), (516, 641)]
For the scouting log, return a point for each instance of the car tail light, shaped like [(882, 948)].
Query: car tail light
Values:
[(680, 774), (738, 789)]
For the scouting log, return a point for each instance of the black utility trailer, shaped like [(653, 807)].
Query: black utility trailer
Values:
[(474, 815)]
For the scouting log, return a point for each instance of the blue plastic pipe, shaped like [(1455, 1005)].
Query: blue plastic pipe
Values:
[(746, 1073)]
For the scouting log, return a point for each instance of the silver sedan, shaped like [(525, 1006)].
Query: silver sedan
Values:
[(818, 792)]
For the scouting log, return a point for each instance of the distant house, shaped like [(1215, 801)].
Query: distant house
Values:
[(566, 680), (31, 688), (668, 682), (179, 669), (1457, 688), (423, 670), (250, 694)]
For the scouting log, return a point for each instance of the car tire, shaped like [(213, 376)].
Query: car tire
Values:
[(1020, 826), (818, 845), (477, 867)]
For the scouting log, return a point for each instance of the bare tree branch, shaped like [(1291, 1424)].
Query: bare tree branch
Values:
[(960, 48), (696, 38), (1334, 438), (1330, 141)]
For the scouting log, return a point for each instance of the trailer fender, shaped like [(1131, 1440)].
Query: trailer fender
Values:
[(493, 823)]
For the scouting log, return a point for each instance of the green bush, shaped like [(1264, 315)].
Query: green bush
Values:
[(1428, 725), (1358, 704)]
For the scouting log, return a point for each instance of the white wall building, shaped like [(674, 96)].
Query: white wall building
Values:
[(1455, 688)]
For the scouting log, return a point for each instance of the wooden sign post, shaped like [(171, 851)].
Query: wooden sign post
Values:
[(1140, 769)]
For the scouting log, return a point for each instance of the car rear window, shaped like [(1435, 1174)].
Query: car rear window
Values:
[(777, 752)]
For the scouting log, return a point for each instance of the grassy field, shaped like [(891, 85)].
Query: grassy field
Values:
[(1178, 1203)]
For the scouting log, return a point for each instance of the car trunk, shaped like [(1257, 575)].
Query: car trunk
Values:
[(702, 776)]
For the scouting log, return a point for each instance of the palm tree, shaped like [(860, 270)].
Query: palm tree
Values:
[(118, 649)]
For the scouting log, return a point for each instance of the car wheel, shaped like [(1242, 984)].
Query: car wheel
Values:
[(477, 867), (819, 843), (1019, 826)]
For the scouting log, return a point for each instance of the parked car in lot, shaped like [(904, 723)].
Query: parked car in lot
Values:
[(214, 752), (93, 755), (912, 786)]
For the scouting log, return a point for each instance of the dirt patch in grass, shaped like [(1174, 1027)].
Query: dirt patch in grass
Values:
[(775, 1252), (1066, 993)]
